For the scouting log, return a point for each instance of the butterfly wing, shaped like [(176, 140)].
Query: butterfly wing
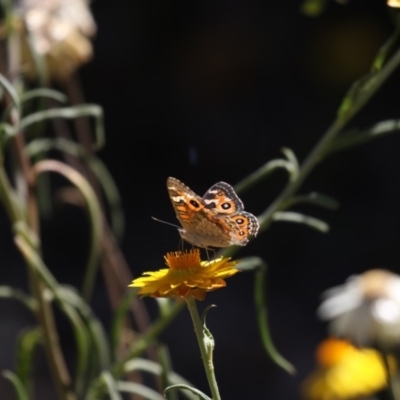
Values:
[(215, 220), (247, 224), (201, 225), (185, 202), (223, 199)]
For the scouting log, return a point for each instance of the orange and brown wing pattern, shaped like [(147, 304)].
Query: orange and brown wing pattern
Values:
[(185, 202), (248, 226), (222, 198), (215, 220)]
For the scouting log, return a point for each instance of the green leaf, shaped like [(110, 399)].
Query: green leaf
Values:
[(83, 343), (166, 367), (164, 305), (19, 388), (289, 154), (263, 172), (33, 94), (11, 293), (45, 93), (104, 178), (356, 94), (10, 90), (119, 318), (111, 385), (208, 337), (355, 137), (313, 198), (141, 390), (72, 112), (148, 337), (289, 216), (385, 50), (152, 367), (27, 344), (250, 263), (200, 394), (94, 215), (20, 227), (98, 336), (33, 259), (262, 319)]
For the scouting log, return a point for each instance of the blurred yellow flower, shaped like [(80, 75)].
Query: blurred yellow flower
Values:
[(345, 372), (365, 309), (393, 3), (57, 30), (187, 276)]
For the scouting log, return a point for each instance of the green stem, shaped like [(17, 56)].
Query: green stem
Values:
[(205, 355), (46, 321), (98, 389), (323, 146)]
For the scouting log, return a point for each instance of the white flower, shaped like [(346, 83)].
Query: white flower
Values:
[(59, 31), (366, 309)]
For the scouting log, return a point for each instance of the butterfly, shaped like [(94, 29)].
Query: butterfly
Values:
[(217, 219)]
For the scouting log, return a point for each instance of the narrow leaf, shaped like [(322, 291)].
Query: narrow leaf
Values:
[(98, 336), (27, 344), (164, 359), (262, 319), (208, 337), (104, 178), (44, 92), (16, 294), (19, 388), (111, 385), (152, 367), (289, 216), (313, 198), (263, 172), (119, 318), (94, 214), (10, 90), (141, 390), (355, 137), (289, 154), (34, 261), (200, 394), (72, 112)]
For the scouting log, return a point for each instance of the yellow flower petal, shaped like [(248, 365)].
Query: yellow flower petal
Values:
[(187, 276), (346, 372)]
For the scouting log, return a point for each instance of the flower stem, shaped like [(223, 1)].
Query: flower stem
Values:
[(323, 147), (390, 390), (205, 354)]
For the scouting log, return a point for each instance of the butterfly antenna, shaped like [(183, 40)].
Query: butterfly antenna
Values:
[(164, 222)]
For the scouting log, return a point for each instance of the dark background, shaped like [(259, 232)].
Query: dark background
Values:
[(211, 90)]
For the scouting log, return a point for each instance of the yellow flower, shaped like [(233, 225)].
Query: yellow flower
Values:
[(393, 3), (346, 372), (187, 276)]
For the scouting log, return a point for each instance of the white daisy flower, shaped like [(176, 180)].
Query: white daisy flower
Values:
[(366, 309)]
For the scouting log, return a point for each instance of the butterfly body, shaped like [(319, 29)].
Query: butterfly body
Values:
[(217, 219)]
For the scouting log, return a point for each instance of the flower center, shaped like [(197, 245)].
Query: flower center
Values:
[(183, 260)]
